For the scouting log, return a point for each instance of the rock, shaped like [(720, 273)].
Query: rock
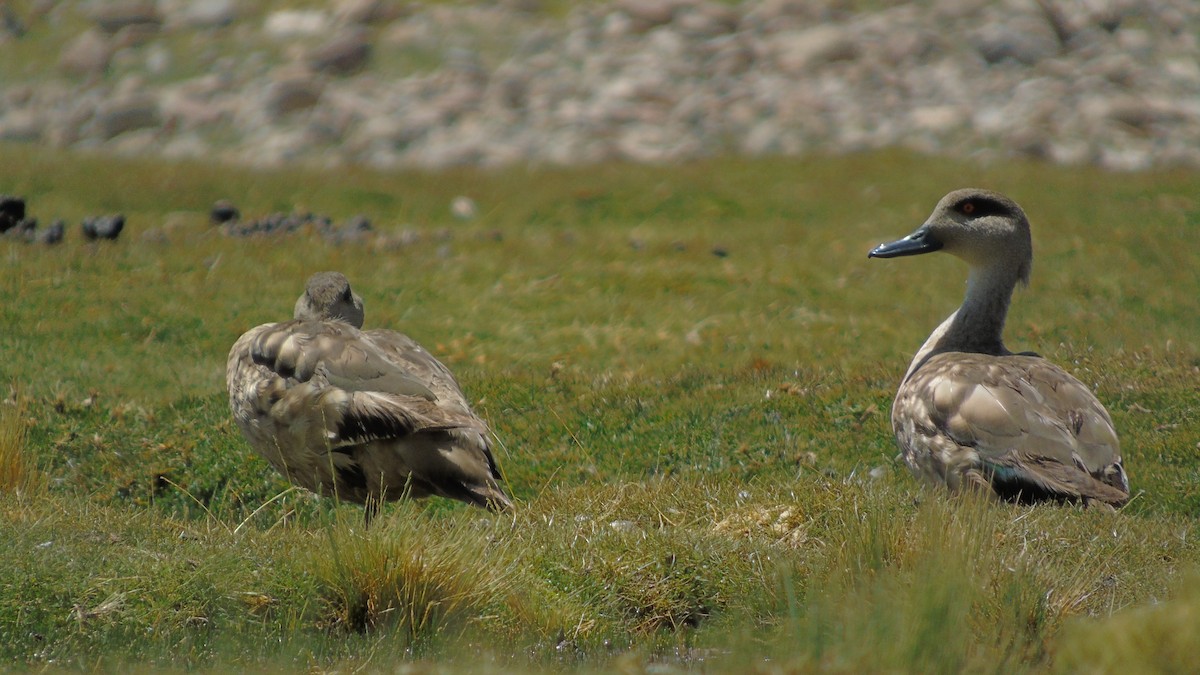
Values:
[(276, 224), (463, 208), (136, 35), (114, 16), (355, 229), (103, 227), (223, 211), (358, 223), (200, 102), (12, 211), (292, 23), (706, 19), (27, 231), (201, 13), (51, 235), (291, 92), (524, 6), (22, 230), (1143, 115), (784, 14), (87, 55), (1023, 39), (23, 126), (187, 145), (345, 54), (10, 23), (114, 118), (367, 12), (158, 60), (647, 14), (937, 118), (799, 51), (1106, 82)]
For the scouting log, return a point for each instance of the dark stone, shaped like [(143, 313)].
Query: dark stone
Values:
[(1025, 40), (53, 234), (359, 223), (114, 118), (344, 54), (291, 93), (277, 223), (23, 229), (12, 211), (87, 55), (103, 227), (223, 211), (11, 23), (354, 229), (113, 16)]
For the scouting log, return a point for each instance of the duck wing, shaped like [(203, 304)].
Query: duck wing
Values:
[(328, 372), (415, 360), (1034, 431), (350, 361)]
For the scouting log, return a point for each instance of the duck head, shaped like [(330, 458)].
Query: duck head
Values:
[(327, 297), (983, 228)]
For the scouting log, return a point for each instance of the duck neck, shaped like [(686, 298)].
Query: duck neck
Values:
[(978, 325)]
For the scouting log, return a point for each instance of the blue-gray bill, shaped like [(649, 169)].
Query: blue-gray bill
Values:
[(916, 243)]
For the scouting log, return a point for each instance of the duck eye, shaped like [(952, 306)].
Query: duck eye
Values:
[(967, 208), (347, 296)]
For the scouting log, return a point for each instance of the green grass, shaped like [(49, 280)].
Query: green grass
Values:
[(698, 443)]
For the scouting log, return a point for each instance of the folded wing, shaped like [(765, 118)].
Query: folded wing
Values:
[(1033, 430)]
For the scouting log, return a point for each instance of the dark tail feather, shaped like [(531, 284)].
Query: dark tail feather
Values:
[(1038, 479), (489, 497)]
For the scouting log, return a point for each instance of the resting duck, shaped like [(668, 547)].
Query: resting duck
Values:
[(364, 416), (972, 414)]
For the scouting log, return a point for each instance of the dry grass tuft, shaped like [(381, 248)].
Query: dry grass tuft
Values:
[(18, 473), (420, 578), (952, 585)]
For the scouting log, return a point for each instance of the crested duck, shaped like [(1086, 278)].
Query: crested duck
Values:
[(363, 415), (969, 413)]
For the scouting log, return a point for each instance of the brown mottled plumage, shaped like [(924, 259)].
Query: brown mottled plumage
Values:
[(366, 416), (970, 413)]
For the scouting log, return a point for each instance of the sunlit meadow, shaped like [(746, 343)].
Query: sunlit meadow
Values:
[(688, 371)]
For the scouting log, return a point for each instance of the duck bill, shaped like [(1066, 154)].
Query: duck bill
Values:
[(914, 244)]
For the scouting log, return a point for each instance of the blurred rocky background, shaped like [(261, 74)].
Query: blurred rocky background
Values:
[(1114, 83)]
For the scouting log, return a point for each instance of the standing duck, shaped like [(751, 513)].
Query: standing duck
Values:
[(364, 416), (972, 414)]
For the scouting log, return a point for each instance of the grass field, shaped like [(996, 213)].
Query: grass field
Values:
[(688, 371)]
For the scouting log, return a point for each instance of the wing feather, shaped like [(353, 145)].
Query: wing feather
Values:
[(359, 414), (1020, 418)]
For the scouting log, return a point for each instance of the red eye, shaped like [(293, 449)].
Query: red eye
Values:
[(968, 208)]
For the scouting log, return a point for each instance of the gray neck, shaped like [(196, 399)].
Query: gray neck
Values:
[(978, 325)]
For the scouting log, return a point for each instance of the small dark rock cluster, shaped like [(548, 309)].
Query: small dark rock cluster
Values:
[(228, 217), (15, 223), (103, 227), (12, 211), (224, 211)]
